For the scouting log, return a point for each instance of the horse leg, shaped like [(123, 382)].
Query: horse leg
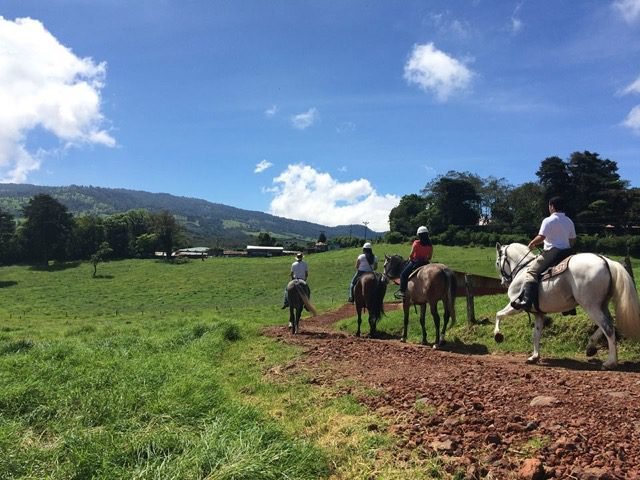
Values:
[(298, 315), (359, 310), (372, 325), (602, 318), (436, 321), (447, 315), (423, 313), (592, 346), (405, 305), (292, 319), (537, 333), (506, 311)]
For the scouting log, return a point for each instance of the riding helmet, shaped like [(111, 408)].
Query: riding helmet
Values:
[(366, 245), (422, 229)]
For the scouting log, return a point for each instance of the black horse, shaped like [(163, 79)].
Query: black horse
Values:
[(298, 294), (368, 293), (428, 284)]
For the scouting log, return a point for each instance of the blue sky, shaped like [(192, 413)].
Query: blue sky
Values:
[(321, 111)]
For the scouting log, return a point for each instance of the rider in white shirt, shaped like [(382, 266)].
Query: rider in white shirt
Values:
[(299, 271), (557, 234)]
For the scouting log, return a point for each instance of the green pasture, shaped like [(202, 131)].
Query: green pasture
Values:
[(156, 370)]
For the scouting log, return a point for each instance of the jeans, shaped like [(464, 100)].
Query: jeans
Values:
[(546, 259), (410, 267)]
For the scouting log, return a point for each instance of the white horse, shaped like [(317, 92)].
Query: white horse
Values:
[(590, 281)]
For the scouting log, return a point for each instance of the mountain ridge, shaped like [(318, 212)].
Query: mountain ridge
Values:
[(204, 221)]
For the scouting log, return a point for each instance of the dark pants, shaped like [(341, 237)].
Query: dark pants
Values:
[(410, 267), (542, 262)]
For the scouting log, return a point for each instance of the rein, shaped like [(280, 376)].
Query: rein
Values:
[(508, 277)]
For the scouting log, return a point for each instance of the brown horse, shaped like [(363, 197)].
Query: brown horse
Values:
[(428, 284), (298, 296), (368, 293)]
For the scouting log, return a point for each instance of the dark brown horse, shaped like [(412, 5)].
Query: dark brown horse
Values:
[(368, 293), (430, 284), (298, 296)]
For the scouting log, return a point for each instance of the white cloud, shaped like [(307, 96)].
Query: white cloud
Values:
[(262, 166), (304, 193), (632, 88), (629, 9), (516, 23), (271, 111), (633, 119), (43, 85), (435, 71), (304, 120)]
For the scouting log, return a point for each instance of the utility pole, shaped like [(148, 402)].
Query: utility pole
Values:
[(365, 223)]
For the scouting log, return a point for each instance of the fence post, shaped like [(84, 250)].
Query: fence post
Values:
[(471, 313)]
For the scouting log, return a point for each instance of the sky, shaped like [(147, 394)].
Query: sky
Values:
[(325, 111)]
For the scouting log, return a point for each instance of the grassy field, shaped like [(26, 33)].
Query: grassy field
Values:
[(155, 370)]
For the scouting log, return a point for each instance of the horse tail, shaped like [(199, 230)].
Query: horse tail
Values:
[(452, 288), (626, 301), (305, 299)]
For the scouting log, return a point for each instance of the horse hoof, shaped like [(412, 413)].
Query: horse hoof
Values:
[(424, 342), (498, 337), (533, 360), (435, 346), (591, 351), (403, 340), (609, 365)]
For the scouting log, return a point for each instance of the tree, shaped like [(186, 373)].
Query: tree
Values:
[(168, 231), (452, 200), (88, 234), (47, 228), (101, 255), (265, 240), (405, 217), (7, 237), (526, 207), (555, 178), (322, 238)]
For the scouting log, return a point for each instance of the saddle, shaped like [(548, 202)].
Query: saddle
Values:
[(556, 269), (552, 272)]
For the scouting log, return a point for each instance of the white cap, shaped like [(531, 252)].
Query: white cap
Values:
[(366, 245), (422, 229)]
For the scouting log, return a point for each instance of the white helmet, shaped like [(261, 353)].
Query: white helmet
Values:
[(422, 229), (366, 245)]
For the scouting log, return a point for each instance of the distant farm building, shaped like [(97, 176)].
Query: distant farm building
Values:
[(262, 251), (193, 252)]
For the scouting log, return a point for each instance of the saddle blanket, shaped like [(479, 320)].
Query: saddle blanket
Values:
[(556, 269)]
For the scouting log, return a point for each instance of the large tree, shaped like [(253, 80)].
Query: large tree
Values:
[(452, 200), (168, 231), (7, 237), (46, 229), (406, 216), (594, 191)]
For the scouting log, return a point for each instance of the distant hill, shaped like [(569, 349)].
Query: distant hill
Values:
[(206, 222)]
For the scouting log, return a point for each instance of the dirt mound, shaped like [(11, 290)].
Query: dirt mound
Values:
[(489, 416)]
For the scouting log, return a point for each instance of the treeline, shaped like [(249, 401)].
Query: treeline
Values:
[(47, 231), (461, 208)]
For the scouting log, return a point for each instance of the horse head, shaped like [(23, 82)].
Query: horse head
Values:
[(511, 259), (393, 265)]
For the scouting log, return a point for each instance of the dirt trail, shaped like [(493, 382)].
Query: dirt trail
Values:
[(490, 416)]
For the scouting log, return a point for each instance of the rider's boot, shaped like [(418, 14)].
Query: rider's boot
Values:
[(527, 297)]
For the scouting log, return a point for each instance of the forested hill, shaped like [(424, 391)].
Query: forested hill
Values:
[(205, 221)]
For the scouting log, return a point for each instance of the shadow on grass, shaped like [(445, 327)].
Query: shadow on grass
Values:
[(103, 277), (591, 364), (55, 266), (7, 283)]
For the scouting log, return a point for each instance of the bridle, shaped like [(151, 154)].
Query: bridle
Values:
[(508, 277)]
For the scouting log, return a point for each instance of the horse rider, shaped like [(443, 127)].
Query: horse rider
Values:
[(421, 253), (365, 263), (558, 234), (299, 271)]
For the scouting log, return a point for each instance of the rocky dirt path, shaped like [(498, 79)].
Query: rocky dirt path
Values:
[(489, 416)]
